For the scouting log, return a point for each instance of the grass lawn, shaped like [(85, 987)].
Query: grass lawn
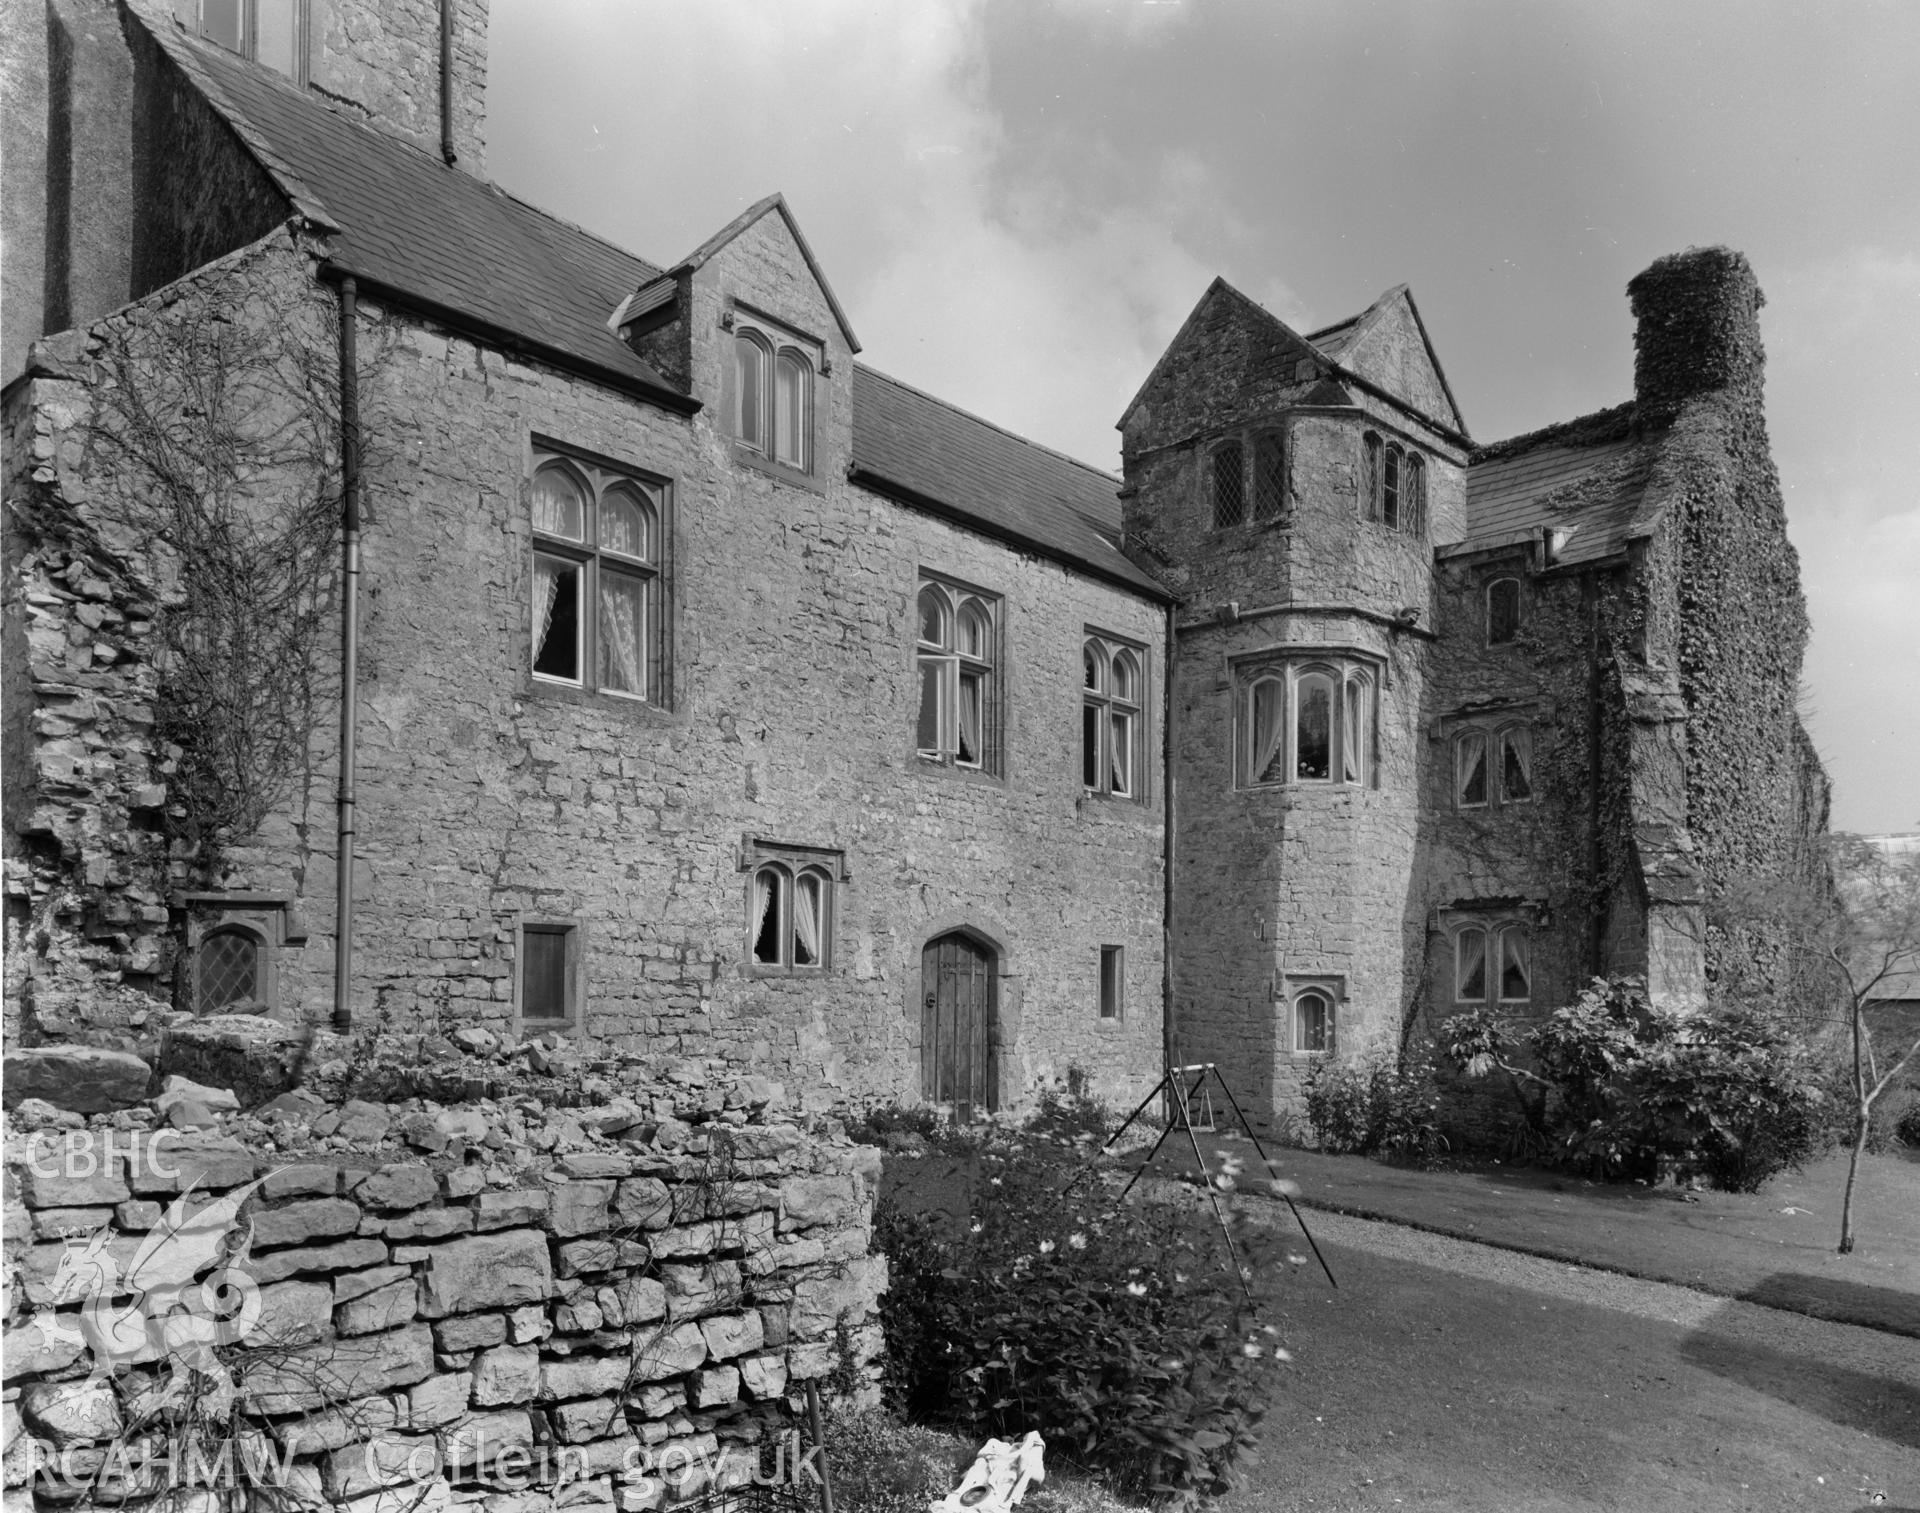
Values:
[(1775, 1246), (1417, 1388)]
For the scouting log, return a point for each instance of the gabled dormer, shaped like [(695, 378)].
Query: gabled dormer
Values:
[(748, 325), (1386, 347)]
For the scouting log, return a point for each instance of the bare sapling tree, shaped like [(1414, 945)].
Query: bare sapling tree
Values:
[(1820, 957), (1874, 942)]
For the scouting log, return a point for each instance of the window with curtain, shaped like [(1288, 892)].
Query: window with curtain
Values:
[(598, 549), (1516, 973), (1470, 769), (1309, 722), (1516, 764), (1113, 676), (958, 718), (1493, 962), (790, 907), (773, 392), (1470, 965)]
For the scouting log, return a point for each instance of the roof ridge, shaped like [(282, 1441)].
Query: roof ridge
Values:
[(1613, 423), (992, 425)]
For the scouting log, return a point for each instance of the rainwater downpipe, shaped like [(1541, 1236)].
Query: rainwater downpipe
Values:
[(446, 81), (1168, 855), (349, 651)]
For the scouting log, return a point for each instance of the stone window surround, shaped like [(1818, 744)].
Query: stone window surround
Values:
[(1348, 664), (1109, 645), (1112, 986), (758, 854), (574, 929), (585, 465), (992, 764), (1411, 472), (738, 319), (1330, 985), (298, 13), (1264, 490), (272, 920), (1495, 921), (1493, 735), (1494, 581)]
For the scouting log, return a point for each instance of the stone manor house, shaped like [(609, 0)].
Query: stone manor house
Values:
[(708, 689)]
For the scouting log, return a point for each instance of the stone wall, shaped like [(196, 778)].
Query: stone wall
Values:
[(488, 798), (384, 57), (444, 1302)]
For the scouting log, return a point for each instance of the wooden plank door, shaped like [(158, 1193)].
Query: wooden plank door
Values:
[(959, 1040)]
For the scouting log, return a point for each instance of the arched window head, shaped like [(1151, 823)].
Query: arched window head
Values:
[(227, 970), (1356, 730), (790, 911), (1111, 745), (935, 617), (1229, 485), (1470, 770), (1516, 967), (626, 524), (1312, 1021), (1470, 965), (1503, 611), (1516, 764), (1313, 727), (559, 503), (792, 409), (1413, 490), (976, 631), (1266, 708), (750, 368), (958, 721)]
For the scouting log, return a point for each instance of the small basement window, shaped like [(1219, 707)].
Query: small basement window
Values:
[(549, 976), (1113, 973)]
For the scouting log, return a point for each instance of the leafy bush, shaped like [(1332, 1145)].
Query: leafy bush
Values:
[(1906, 1128), (1375, 1106), (1122, 1334), (1614, 1086)]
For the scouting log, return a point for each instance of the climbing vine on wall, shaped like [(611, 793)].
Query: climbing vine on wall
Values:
[(219, 435)]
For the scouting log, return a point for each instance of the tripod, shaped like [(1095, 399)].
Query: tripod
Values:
[(1180, 1097)]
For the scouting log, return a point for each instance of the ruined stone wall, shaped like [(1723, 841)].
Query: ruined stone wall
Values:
[(469, 1299), (1729, 615)]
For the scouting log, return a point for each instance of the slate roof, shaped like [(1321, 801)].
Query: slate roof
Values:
[(1334, 340), (408, 223), (911, 444), (1586, 477)]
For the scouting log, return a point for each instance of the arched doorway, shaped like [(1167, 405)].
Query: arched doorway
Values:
[(960, 1024)]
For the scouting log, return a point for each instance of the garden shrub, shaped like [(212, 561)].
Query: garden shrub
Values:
[(1377, 1105), (1615, 1087), (1121, 1334)]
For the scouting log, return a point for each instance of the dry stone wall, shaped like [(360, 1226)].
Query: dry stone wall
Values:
[(620, 1288)]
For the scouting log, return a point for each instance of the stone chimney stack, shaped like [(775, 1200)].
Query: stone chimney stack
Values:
[(385, 56), (1698, 315)]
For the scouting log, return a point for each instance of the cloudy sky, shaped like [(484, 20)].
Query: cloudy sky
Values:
[(1018, 201)]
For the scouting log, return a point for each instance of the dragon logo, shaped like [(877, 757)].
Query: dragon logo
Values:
[(185, 1291)]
